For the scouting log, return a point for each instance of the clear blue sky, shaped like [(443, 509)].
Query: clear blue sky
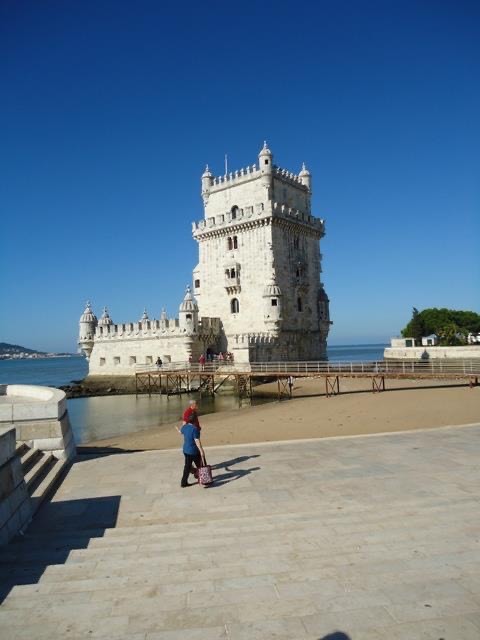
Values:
[(110, 110)]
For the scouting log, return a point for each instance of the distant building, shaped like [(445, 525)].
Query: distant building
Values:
[(401, 343), (430, 341), (257, 287)]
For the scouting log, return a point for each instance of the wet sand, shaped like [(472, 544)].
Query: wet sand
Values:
[(405, 405)]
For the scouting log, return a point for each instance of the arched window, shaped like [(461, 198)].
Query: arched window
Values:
[(232, 273), (234, 306), (299, 304), (234, 212)]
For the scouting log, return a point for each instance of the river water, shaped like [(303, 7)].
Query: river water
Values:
[(108, 416)]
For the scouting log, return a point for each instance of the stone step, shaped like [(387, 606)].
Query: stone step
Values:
[(53, 475), (37, 471), (28, 458), (20, 449)]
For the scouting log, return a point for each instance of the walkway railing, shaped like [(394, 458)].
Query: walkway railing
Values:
[(380, 367)]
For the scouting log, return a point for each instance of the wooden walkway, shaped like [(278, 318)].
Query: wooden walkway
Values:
[(176, 378)]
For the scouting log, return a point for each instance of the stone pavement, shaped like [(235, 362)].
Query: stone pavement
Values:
[(363, 538)]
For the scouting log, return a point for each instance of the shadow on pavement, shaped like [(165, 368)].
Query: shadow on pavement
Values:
[(336, 635), (57, 529)]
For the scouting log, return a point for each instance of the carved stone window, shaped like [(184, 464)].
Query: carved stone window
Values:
[(234, 306)]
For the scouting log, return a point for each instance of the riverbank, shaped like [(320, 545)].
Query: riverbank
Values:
[(405, 405)]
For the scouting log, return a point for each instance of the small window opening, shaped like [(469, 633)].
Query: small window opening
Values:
[(274, 302), (299, 304), (266, 161), (197, 284), (188, 316), (296, 242), (235, 242), (116, 360), (229, 244), (234, 306), (132, 359), (234, 211), (148, 359), (232, 273), (102, 362)]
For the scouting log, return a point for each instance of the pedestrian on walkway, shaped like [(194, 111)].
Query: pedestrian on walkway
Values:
[(191, 414), (290, 382), (192, 450)]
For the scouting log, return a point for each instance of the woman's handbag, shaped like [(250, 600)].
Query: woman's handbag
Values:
[(205, 473)]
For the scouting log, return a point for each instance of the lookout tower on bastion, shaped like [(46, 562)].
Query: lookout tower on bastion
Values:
[(260, 263)]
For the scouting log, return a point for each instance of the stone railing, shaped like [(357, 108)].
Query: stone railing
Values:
[(15, 505)]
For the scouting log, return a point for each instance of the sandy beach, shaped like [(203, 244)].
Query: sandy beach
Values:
[(405, 405)]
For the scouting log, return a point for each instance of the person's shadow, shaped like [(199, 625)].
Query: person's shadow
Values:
[(336, 635), (231, 474)]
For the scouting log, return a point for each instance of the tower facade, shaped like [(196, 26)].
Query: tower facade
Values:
[(260, 263)]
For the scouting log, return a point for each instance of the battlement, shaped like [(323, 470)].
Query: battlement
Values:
[(234, 177), (152, 329), (254, 212), (252, 172), (287, 176)]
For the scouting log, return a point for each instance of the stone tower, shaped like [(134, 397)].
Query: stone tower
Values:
[(260, 263)]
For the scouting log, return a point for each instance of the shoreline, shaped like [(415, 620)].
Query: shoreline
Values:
[(404, 406)]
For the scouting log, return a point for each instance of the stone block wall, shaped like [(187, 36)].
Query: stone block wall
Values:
[(15, 505), (40, 418)]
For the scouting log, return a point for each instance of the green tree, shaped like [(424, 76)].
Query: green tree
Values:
[(416, 327), (441, 322)]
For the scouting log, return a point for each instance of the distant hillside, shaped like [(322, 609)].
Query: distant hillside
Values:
[(6, 348)]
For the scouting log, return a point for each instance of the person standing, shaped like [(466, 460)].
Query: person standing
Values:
[(290, 382), (192, 450), (201, 361), (190, 415)]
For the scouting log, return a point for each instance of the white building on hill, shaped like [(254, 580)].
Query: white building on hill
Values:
[(257, 286)]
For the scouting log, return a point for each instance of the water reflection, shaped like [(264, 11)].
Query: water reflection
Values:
[(109, 416)]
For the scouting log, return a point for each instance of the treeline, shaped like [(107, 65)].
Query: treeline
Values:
[(451, 326)]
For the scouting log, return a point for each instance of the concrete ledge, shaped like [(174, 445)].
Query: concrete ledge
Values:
[(40, 418), (29, 402)]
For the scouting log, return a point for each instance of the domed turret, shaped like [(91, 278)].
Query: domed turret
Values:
[(305, 177), (88, 324), (105, 320), (207, 181), (188, 312), (272, 295), (144, 317), (265, 159)]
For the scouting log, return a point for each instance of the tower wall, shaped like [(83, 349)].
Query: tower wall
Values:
[(266, 213)]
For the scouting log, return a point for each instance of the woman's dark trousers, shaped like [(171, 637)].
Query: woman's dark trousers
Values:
[(189, 460)]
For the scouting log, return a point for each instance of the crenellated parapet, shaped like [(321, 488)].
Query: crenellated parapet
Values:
[(154, 329), (257, 212)]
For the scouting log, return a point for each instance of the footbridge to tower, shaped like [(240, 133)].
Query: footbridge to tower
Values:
[(208, 378)]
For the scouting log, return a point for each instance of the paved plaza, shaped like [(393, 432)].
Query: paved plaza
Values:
[(365, 538)]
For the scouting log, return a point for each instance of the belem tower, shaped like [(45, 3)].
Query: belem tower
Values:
[(257, 291)]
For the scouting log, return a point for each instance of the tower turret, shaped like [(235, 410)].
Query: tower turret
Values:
[(88, 324), (188, 313), (305, 177), (105, 320), (207, 181), (265, 160)]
